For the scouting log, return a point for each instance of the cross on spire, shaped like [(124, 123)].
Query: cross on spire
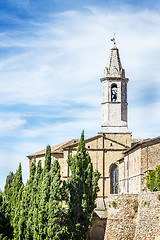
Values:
[(113, 40)]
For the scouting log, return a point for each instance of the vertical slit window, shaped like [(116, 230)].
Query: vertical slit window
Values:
[(114, 93)]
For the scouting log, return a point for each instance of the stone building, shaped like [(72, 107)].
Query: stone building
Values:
[(107, 146), (136, 162), (122, 162)]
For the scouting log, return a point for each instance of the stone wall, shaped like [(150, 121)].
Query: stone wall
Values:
[(130, 172), (135, 164), (123, 222), (148, 219), (121, 219)]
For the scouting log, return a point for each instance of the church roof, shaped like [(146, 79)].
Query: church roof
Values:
[(72, 143), (55, 149), (114, 68), (87, 140), (144, 143)]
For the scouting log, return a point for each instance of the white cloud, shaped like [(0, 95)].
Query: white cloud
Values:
[(60, 64), (56, 64), (10, 124), (71, 128)]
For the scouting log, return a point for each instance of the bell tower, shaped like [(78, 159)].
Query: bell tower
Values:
[(114, 100)]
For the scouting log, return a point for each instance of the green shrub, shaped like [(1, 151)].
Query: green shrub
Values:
[(153, 179), (150, 180), (157, 177), (135, 206), (145, 203), (114, 204)]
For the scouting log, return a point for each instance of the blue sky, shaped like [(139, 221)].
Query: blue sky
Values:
[(52, 55)]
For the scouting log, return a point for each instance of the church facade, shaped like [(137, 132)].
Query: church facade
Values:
[(113, 138), (122, 162)]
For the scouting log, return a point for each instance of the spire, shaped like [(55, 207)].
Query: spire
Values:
[(114, 97), (114, 68)]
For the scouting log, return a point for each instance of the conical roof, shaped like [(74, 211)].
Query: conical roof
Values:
[(114, 68)]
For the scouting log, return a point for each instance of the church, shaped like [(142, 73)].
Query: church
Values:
[(122, 161)]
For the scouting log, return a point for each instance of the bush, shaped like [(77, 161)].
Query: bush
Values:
[(114, 204), (153, 179), (135, 206), (150, 180), (157, 177)]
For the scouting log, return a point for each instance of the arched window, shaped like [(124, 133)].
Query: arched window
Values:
[(114, 93), (114, 179)]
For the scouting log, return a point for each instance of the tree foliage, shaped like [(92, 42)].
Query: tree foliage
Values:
[(153, 179), (47, 208), (25, 204), (56, 210), (11, 200), (4, 223), (157, 177), (150, 180), (83, 188)]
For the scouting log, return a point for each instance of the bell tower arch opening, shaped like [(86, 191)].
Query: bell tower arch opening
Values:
[(113, 92)]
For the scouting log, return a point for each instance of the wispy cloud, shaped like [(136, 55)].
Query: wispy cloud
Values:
[(53, 66), (10, 125), (73, 56)]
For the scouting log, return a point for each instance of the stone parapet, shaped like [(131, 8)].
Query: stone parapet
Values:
[(148, 219), (121, 219), (133, 217)]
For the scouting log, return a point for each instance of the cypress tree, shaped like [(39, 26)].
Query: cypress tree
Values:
[(8, 185), (56, 212), (43, 207), (35, 199), (16, 186), (32, 221), (7, 195), (47, 162), (11, 196), (44, 196), (17, 215), (25, 204), (2, 217), (1, 214), (4, 223), (83, 188)]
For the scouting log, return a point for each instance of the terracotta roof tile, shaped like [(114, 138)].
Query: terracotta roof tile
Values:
[(57, 148)]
